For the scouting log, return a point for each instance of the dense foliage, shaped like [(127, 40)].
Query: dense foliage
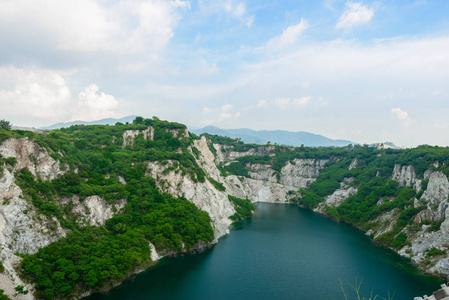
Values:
[(3, 296), (99, 162), (91, 258), (243, 207), (377, 193), (4, 124)]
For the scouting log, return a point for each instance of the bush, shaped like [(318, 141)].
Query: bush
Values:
[(244, 208), (11, 161), (435, 252), (217, 184), (5, 124), (435, 226)]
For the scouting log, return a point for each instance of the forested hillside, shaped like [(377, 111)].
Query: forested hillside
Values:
[(97, 199), (96, 160)]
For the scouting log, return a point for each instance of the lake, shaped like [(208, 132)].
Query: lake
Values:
[(282, 252)]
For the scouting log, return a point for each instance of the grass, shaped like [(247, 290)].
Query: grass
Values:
[(356, 289)]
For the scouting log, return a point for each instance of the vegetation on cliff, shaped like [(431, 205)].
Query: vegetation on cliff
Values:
[(372, 176), (100, 160), (97, 160)]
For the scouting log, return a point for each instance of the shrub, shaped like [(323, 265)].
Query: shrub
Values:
[(434, 252), (435, 226)]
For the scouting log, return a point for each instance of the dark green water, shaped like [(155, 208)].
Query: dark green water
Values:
[(282, 252)]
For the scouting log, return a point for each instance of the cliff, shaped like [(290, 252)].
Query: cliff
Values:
[(138, 178)]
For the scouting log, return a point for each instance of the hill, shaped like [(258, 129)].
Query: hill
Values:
[(108, 121), (85, 207), (280, 137)]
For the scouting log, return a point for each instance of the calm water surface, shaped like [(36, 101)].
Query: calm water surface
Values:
[(282, 252)]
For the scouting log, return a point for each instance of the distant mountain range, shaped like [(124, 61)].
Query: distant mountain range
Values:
[(248, 136), (281, 137), (108, 121)]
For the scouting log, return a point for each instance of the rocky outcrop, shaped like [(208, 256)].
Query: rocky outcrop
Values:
[(299, 173), (94, 210), (406, 176), (302, 172), (385, 221), (437, 189), (22, 229), (424, 240), (177, 133), (261, 172), (226, 153), (338, 197), (257, 190), (436, 197), (130, 135), (203, 194), (263, 188), (353, 164), (29, 155)]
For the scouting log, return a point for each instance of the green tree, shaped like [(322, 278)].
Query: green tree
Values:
[(138, 120), (5, 124)]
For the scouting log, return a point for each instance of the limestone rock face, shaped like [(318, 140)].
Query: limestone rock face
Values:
[(225, 153), (436, 195), (302, 172), (29, 155), (258, 190), (203, 194), (177, 134), (130, 135), (22, 229), (338, 197), (207, 158), (386, 223), (437, 189), (262, 172), (406, 176), (94, 210), (353, 164)]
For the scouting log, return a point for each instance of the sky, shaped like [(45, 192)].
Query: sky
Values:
[(366, 71)]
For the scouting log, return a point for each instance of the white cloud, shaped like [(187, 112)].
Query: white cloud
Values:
[(34, 93), (222, 113), (282, 103), (206, 69), (250, 21), (91, 25), (94, 106), (227, 107), (43, 95), (329, 4), (262, 104), (232, 8), (224, 116), (287, 103), (403, 116), (238, 10), (301, 102), (355, 14), (289, 36)]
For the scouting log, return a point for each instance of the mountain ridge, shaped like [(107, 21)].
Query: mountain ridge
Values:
[(106, 121), (282, 137)]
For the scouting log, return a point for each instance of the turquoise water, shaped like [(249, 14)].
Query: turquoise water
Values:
[(282, 252)]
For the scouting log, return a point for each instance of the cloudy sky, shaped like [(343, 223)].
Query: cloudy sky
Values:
[(366, 71)]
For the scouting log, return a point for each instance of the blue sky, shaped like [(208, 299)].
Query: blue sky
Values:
[(367, 71)]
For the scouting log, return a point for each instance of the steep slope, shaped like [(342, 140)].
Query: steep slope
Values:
[(125, 195)]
